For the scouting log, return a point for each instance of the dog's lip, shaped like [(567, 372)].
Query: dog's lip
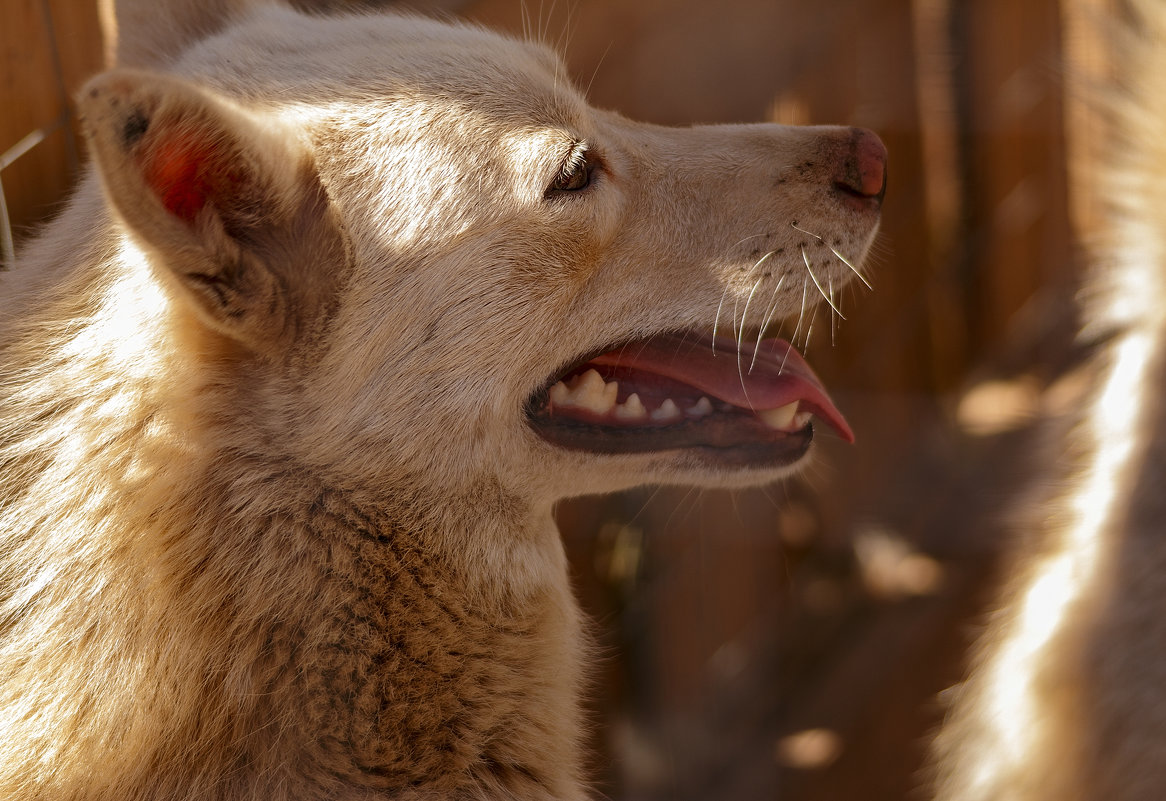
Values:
[(729, 440), (743, 380), (756, 376)]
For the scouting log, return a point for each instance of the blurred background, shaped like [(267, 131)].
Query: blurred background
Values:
[(793, 642)]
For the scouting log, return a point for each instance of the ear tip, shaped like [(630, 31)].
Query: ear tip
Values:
[(103, 88), (116, 109), (103, 99)]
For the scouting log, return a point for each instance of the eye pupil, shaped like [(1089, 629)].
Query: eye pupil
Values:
[(574, 180)]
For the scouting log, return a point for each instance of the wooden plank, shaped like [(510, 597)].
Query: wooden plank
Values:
[(1015, 175), (27, 81), (46, 49), (31, 100)]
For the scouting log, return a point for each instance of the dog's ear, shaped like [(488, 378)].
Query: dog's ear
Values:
[(227, 203)]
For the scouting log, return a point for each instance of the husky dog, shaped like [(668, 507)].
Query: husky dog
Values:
[(289, 390), (1068, 701)]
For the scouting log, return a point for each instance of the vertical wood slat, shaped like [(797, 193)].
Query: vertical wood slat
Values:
[(1014, 165), (47, 47)]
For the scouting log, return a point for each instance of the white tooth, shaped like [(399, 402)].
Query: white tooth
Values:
[(610, 393), (781, 418), (585, 384), (668, 411), (631, 409), (589, 379), (802, 420), (701, 408), (589, 392), (559, 393)]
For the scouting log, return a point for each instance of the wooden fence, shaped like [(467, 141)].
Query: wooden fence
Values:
[(734, 618), (47, 47)]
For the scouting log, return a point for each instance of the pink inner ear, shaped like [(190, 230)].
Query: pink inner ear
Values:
[(186, 173)]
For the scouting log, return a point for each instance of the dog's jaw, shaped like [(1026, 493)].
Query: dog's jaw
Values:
[(728, 403)]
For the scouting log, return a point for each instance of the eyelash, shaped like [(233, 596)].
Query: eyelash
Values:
[(575, 174)]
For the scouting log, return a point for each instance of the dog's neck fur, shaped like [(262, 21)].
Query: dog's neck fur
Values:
[(403, 670), (352, 640), (365, 654)]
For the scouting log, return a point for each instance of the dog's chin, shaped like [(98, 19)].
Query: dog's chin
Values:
[(687, 408), (697, 469), (575, 472)]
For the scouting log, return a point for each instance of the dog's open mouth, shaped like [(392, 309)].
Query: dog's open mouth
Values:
[(753, 403)]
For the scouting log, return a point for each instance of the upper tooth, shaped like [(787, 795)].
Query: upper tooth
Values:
[(781, 418), (701, 408), (631, 409), (668, 411), (591, 380), (589, 391), (559, 393)]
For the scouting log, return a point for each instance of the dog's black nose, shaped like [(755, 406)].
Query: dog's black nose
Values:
[(864, 169)]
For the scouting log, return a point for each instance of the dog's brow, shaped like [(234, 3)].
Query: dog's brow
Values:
[(577, 153)]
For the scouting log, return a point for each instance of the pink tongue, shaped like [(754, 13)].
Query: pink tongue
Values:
[(776, 377)]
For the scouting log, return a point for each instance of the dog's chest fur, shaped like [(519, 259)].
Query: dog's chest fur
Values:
[(402, 678), (391, 677)]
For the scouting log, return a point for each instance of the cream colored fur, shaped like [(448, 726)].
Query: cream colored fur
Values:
[(272, 523), (1068, 701)]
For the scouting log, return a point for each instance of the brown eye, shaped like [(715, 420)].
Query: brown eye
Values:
[(573, 178), (576, 172)]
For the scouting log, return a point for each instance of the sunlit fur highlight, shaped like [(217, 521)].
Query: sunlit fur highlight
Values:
[(1068, 702), (272, 521)]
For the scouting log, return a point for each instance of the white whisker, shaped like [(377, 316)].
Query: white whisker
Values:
[(846, 261), (814, 278), (773, 304), (595, 72), (810, 328), (717, 321), (744, 315), (741, 337), (762, 260), (740, 242), (801, 316), (833, 319), (839, 256)]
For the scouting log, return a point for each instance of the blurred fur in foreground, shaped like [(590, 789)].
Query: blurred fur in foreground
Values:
[(1067, 701)]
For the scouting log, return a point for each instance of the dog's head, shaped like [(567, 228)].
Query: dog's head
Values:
[(420, 251)]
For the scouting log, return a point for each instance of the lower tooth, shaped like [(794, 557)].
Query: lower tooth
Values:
[(631, 409), (701, 408), (781, 418), (668, 411)]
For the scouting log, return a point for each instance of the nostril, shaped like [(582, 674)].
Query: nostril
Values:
[(864, 168)]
